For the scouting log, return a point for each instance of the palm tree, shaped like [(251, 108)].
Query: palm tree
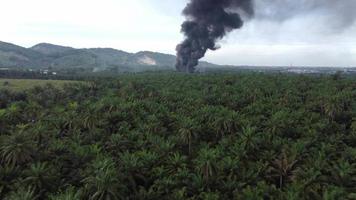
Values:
[(71, 193), (293, 192), (224, 122), (16, 148), (103, 183), (210, 196), (22, 194), (3, 121), (152, 124), (188, 131), (343, 174), (40, 177), (176, 162), (248, 137), (90, 120), (206, 162), (41, 135), (332, 107), (260, 191), (8, 176), (131, 166), (334, 192), (14, 113), (32, 110), (284, 168)]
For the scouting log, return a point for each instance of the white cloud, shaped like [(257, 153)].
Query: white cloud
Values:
[(86, 23)]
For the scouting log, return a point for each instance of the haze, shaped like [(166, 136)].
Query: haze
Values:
[(301, 39)]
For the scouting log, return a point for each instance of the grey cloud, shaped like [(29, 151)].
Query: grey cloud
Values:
[(336, 13)]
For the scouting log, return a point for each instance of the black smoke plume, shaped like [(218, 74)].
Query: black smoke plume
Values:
[(207, 22)]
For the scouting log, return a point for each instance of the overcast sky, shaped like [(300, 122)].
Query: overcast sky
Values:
[(313, 38)]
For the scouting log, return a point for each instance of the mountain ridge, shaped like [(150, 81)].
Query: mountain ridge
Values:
[(46, 55)]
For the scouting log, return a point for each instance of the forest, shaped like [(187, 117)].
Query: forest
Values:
[(169, 135)]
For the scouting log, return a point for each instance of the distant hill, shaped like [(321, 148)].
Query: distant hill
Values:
[(46, 55), (50, 49), (15, 56)]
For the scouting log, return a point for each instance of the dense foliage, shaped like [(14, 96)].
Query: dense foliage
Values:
[(175, 136)]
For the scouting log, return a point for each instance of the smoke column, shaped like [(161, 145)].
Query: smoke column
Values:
[(207, 22)]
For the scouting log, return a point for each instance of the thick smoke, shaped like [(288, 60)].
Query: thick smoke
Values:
[(208, 21)]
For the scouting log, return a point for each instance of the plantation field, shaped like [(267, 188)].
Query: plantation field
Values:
[(177, 136), (24, 84)]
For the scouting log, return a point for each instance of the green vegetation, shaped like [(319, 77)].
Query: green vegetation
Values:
[(25, 84), (175, 136)]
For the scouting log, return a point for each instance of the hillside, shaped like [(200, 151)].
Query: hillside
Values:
[(16, 56), (45, 55), (50, 49)]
